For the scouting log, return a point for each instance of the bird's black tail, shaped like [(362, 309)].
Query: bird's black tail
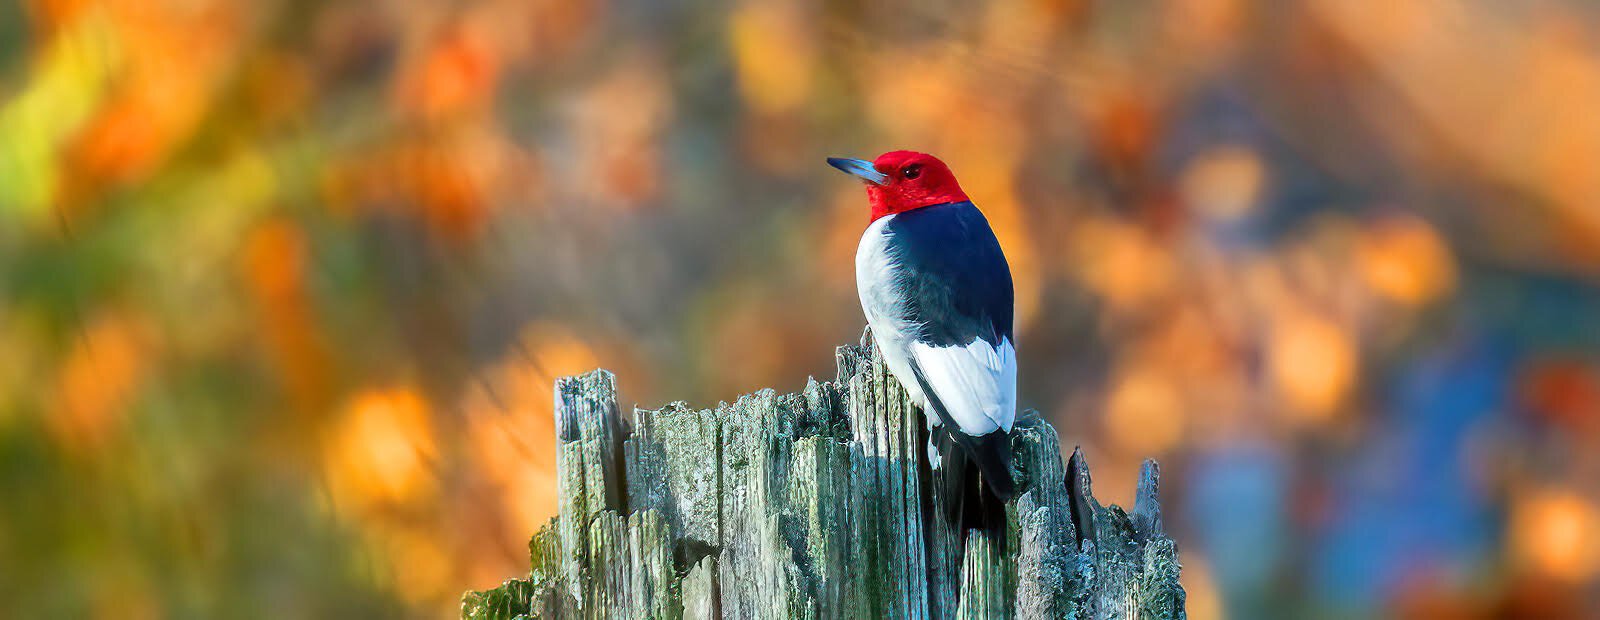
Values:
[(971, 497), (993, 455)]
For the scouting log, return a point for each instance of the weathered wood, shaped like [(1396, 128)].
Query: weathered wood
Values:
[(819, 505), (630, 566), (700, 593), (983, 579), (674, 467), (754, 566), (1050, 563), (588, 479)]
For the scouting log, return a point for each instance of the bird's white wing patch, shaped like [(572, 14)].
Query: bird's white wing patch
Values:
[(977, 382)]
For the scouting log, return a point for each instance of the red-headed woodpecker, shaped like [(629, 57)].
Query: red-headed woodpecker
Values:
[(937, 293)]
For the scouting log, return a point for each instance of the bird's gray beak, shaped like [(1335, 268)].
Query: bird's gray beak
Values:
[(861, 168)]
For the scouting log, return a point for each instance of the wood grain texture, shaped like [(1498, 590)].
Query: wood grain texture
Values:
[(818, 504)]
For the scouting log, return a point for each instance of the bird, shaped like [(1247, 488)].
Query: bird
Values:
[(938, 298)]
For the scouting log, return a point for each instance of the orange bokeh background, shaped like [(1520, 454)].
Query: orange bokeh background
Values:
[(284, 286)]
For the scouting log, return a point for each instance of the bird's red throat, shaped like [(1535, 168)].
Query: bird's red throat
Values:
[(888, 201)]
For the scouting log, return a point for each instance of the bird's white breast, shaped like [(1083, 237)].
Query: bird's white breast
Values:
[(884, 308)]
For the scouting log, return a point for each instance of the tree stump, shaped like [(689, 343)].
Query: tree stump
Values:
[(819, 505)]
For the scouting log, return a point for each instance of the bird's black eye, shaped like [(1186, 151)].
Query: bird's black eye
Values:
[(912, 171)]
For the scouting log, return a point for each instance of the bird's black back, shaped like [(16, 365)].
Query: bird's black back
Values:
[(948, 248)]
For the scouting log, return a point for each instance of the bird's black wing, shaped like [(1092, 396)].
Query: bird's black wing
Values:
[(958, 302)]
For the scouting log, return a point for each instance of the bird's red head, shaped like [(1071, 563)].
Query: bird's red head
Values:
[(900, 181)]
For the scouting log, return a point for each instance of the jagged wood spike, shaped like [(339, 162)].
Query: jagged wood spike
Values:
[(1080, 497), (1146, 506), (1047, 556), (588, 467), (700, 594)]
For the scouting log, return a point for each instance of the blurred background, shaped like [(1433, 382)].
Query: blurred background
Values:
[(284, 284)]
